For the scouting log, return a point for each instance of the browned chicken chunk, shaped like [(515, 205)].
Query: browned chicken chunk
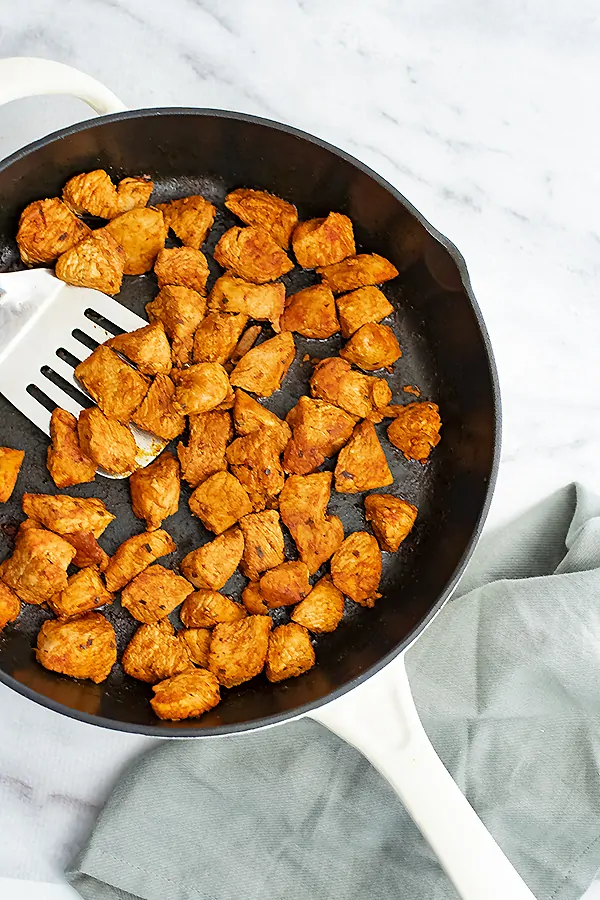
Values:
[(107, 442), (48, 228), (252, 254), (362, 464), (155, 653), (182, 266), (212, 565), (290, 652), (263, 543), (186, 696), (263, 302), (190, 218), (217, 336), (249, 415), (141, 233), (416, 430), (83, 647), (147, 348), (10, 466), (255, 461), (253, 600), (10, 605), (245, 343), (154, 593), (357, 271), (363, 396), (38, 566), (155, 491), (115, 386), (200, 388), (372, 347), (323, 242), (65, 515), (84, 591), (134, 555), (263, 368), (391, 519), (95, 194), (272, 213), (204, 454), (323, 609), (356, 568), (367, 304), (88, 551), (206, 608), (318, 430), (156, 413), (220, 501), (67, 463), (238, 650), (285, 585), (97, 262), (303, 507), (311, 312), (197, 644), (181, 310)]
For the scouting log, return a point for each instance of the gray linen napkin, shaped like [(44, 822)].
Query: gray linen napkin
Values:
[(507, 682)]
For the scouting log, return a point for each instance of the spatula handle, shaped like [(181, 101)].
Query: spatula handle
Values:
[(22, 76)]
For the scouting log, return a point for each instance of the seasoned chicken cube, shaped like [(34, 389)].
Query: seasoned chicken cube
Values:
[(97, 262), (272, 213), (363, 396), (318, 430), (67, 463), (10, 466), (255, 461), (285, 585), (311, 312), (48, 228), (115, 386), (220, 501), (217, 336), (141, 233), (415, 430), (200, 388), (263, 368), (361, 464), (136, 554), (212, 565), (323, 609), (249, 415), (263, 543), (186, 696), (372, 347), (253, 600), (147, 348), (391, 519), (38, 566), (156, 413), (83, 647), (155, 491), (107, 442), (182, 266), (357, 271), (252, 254), (263, 302), (290, 652), (154, 593), (181, 310), (155, 653), (197, 644), (204, 454), (206, 608), (84, 591), (367, 304), (238, 650), (190, 218), (65, 515), (356, 568), (303, 507), (88, 551), (323, 242), (10, 605), (95, 194)]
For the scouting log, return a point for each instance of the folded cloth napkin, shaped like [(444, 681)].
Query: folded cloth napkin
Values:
[(507, 682)]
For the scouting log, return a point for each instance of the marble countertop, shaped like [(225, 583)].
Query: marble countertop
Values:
[(482, 115)]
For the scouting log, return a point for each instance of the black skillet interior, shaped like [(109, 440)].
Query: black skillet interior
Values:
[(445, 353)]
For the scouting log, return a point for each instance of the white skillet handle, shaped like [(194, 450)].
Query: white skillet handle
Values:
[(22, 76), (380, 719)]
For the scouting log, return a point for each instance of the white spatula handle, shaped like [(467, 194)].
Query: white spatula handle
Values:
[(22, 76)]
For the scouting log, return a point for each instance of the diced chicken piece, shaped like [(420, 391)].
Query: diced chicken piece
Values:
[(204, 454), (147, 348), (415, 430), (107, 442), (156, 413), (142, 234), (212, 565), (154, 593), (323, 609), (115, 386), (200, 388), (48, 228), (255, 461), (155, 653), (311, 312), (88, 551), (197, 644), (263, 368), (190, 218), (238, 650), (263, 543), (303, 507), (391, 519), (217, 336), (323, 242), (182, 266), (249, 415), (83, 647), (363, 396), (65, 515), (186, 696), (38, 566), (263, 302), (253, 600), (372, 347), (84, 591), (285, 585), (290, 652), (67, 463), (275, 215), (319, 430), (155, 491), (357, 271), (10, 466), (356, 568), (97, 262), (135, 555), (367, 304), (206, 608), (220, 502), (245, 343), (252, 254), (362, 464), (10, 605), (95, 194), (181, 310)]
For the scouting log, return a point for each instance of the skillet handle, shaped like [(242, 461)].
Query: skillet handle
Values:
[(380, 719), (22, 76)]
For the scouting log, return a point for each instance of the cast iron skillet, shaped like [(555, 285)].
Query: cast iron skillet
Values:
[(446, 353)]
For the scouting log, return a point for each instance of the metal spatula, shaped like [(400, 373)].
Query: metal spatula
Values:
[(46, 328)]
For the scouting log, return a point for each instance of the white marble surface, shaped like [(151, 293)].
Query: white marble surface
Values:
[(483, 115)]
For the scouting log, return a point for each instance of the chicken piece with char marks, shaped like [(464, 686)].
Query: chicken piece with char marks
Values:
[(206, 608), (154, 593), (147, 348), (303, 509), (255, 461), (134, 555), (47, 229), (263, 543), (82, 647), (84, 591), (65, 515), (356, 568), (238, 650), (285, 585)]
